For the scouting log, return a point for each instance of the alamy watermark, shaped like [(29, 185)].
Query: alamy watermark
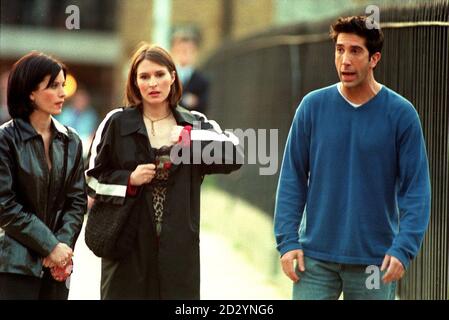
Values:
[(73, 20), (250, 146), (373, 280), (373, 17)]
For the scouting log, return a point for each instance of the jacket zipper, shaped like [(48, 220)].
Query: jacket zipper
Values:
[(47, 176), (50, 183)]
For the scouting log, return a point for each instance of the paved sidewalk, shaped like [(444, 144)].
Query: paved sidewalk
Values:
[(225, 274)]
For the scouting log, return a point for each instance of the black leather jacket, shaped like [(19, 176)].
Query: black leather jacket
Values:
[(38, 208)]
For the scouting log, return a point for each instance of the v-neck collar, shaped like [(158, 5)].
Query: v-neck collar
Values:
[(361, 106)]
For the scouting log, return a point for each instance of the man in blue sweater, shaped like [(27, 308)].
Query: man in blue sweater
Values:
[(354, 190)]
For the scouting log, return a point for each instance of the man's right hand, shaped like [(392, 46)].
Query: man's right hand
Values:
[(60, 255), (288, 263)]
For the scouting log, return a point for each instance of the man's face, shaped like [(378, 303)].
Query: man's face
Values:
[(352, 60), (184, 52)]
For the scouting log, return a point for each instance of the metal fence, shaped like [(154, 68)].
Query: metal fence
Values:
[(258, 83)]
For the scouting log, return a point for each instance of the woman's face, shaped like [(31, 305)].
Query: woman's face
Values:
[(49, 100), (154, 82)]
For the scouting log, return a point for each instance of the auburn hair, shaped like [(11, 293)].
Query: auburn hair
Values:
[(157, 55)]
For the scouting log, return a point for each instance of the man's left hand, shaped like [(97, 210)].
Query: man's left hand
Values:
[(394, 267)]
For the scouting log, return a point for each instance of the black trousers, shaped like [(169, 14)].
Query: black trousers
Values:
[(22, 287)]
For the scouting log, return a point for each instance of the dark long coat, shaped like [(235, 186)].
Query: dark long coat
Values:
[(168, 268), (199, 86)]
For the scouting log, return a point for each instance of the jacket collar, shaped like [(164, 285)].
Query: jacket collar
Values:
[(60, 129), (133, 120), (27, 132), (183, 116)]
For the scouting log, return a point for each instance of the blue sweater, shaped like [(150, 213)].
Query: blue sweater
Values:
[(354, 183)]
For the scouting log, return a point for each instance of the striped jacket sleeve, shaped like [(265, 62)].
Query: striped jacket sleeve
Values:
[(221, 151), (104, 182)]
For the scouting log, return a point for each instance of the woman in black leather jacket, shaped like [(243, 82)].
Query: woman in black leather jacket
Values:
[(42, 187)]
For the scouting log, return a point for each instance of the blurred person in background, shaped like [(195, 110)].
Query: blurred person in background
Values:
[(184, 50), (81, 116), (4, 114), (354, 187), (131, 160), (42, 186)]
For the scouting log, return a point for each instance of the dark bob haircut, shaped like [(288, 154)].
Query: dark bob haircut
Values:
[(157, 55), (374, 37), (24, 78)]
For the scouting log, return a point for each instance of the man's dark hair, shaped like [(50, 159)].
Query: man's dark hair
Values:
[(24, 78), (187, 35), (374, 37)]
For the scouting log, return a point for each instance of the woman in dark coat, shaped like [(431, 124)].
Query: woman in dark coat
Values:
[(42, 187), (135, 155)]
